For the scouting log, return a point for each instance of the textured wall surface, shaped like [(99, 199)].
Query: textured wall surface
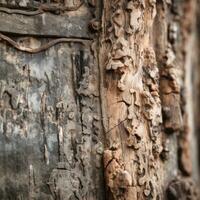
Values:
[(51, 140), (50, 130), (99, 100), (151, 146)]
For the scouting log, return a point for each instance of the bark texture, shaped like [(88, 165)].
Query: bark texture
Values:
[(150, 133), (99, 100)]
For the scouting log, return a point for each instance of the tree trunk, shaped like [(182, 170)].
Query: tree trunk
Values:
[(99, 100)]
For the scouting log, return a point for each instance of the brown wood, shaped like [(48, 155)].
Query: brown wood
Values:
[(99, 100)]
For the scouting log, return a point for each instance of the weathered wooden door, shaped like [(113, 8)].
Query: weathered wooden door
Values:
[(99, 99), (50, 129)]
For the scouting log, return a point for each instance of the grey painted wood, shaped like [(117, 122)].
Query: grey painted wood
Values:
[(47, 24), (50, 133)]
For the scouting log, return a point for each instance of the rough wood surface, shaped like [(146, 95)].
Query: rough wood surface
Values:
[(47, 24), (50, 131), (98, 100), (147, 66)]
